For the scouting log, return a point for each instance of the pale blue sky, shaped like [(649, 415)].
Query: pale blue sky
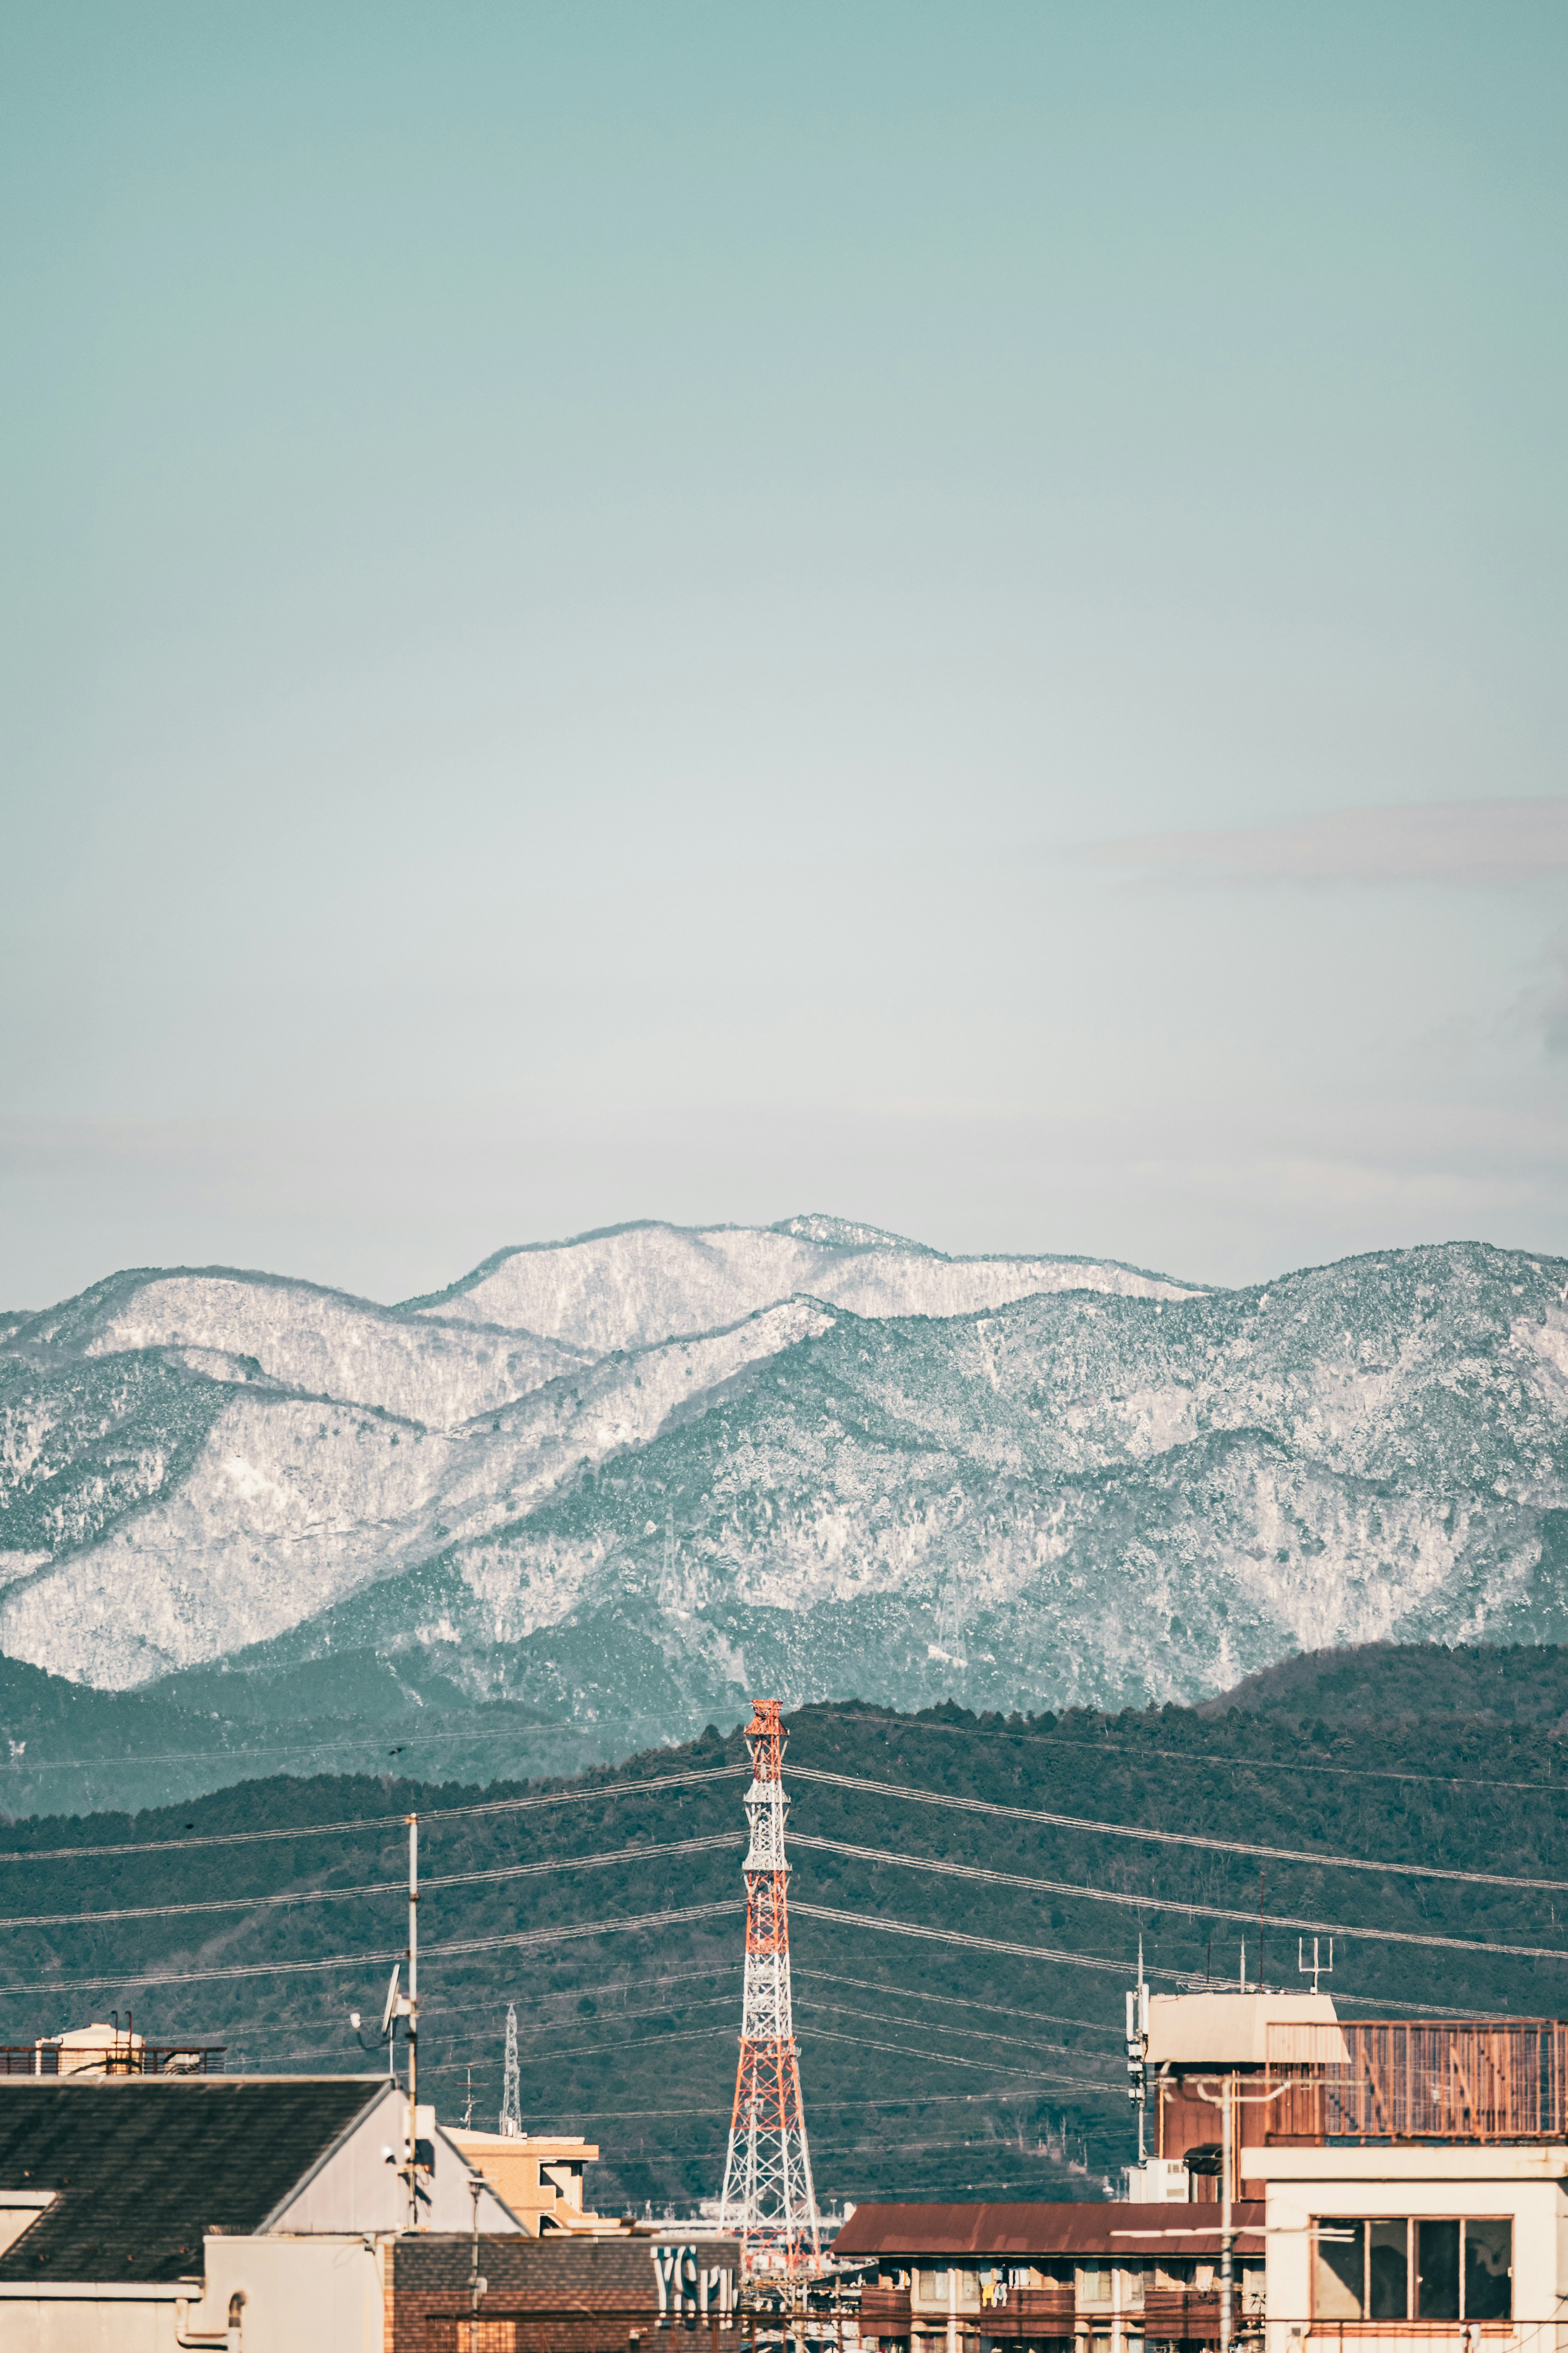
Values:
[(586, 587)]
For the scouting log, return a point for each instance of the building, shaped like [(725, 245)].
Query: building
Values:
[(539, 2174), (560, 2294), (146, 2213), (1413, 2172), (1396, 2184), (1038, 2278)]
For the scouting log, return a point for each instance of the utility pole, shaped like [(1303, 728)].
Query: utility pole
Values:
[(414, 2021), (1228, 2099), (1227, 2236), (1137, 2050), (511, 2122)]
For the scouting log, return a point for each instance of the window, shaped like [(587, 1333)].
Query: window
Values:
[(1420, 2268), (1438, 2254), (1489, 2271), (1388, 2271)]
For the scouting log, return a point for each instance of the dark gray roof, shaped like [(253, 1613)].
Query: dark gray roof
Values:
[(144, 2164), (1087, 2226), (554, 2274)]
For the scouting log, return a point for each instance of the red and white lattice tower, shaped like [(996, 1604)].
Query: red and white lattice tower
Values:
[(768, 2198)]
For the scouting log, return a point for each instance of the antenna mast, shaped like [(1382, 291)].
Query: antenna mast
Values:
[(768, 2196), (511, 2094)]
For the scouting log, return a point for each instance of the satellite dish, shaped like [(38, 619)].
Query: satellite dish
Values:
[(390, 2013)]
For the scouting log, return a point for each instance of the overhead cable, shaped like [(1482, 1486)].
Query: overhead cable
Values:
[(1120, 1969), (919, 2025), (631, 1853), (1200, 1756), (367, 1741), (517, 1940), (1146, 1903), (1163, 1838), (432, 1819), (1055, 1954), (959, 2002), (950, 2059)]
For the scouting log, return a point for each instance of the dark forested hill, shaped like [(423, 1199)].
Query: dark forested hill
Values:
[(930, 2068)]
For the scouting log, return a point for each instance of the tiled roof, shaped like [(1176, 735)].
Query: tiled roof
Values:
[(546, 2275), (144, 2164), (1087, 2228)]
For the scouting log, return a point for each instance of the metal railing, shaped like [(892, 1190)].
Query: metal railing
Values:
[(113, 2058), (1495, 2080)]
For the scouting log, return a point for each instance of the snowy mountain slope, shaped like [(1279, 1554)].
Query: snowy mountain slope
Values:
[(633, 1285), (289, 1505), (82, 1445), (305, 1338), (1075, 1497), (1102, 1494)]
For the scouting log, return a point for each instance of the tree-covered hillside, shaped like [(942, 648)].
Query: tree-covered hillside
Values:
[(929, 2068)]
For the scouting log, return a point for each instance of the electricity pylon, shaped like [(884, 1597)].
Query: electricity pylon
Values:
[(768, 2199)]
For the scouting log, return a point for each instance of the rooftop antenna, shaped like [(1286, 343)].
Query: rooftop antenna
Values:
[(1241, 1973), (1316, 1968), (512, 2094), (468, 2103), (1137, 2048), (391, 2010)]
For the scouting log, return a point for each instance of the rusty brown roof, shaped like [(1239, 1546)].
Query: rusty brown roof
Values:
[(1085, 2229)]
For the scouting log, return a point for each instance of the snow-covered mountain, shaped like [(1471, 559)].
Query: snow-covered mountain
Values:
[(626, 1480)]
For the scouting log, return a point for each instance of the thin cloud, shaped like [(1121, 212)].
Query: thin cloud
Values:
[(1475, 842)]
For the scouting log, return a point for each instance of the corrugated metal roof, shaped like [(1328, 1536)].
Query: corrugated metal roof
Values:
[(1083, 2229)]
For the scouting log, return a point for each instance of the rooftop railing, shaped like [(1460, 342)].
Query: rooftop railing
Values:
[(112, 2058), (1492, 2080)]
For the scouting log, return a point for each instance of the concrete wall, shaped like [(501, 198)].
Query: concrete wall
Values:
[(1526, 2183), (303, 2295), (359, 2187)]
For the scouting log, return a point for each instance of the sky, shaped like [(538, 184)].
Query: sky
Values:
[(948, 615)]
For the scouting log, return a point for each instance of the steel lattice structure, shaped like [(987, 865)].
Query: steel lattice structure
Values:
[(768, 2197)]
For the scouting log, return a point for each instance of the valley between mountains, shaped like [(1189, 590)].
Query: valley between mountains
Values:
[(598, 1492)]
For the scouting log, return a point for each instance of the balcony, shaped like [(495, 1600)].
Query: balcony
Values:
[(1177, 2314), (1027, 2312)]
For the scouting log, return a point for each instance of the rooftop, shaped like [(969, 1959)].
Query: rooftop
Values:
[(143, 2165), (1090, 2227)]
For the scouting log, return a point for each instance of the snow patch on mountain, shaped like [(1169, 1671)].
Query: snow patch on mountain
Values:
[(1106, 1494), (635, 1285), (305, 1338), (291, 1506)]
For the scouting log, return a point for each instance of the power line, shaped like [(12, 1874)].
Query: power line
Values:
[(965, 1942), (1171, 1903), (1163, 1838), (963, 2001), (971, 2033), (1120, 1969), (520, 1940), (19, 1765), (433, 1819), (376, 1886), (1198, 1757), (950, 2059)]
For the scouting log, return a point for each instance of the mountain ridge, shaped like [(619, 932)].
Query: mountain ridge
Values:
[(1119, 1491)]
